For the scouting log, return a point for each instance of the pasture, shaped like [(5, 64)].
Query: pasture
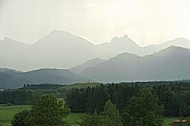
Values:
[(7, 113), (168, 121)]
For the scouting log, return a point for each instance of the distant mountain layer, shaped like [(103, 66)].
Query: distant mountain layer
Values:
[(14, 79), (88, 64), (61, 49), (172, 63)]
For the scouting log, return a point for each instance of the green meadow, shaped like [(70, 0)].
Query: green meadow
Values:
[(7, 113)]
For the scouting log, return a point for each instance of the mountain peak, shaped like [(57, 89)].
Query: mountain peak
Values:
[(59, 33), (173, 50), (124, 41), (180, 39), (123, 38), (11, 42), (7, 39), (58, 38)]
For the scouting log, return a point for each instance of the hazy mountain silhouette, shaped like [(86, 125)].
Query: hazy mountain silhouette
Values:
[(60, 49), (169, 64), (119, 45), (55, 76), (172, 63), (12, 53), (88, 64), (123, 44), (41, 76), (180, 42)]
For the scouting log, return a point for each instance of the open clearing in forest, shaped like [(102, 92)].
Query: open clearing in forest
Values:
[(7, 113)]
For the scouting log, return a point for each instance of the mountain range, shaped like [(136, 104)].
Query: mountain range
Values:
[(172, 63), (60, 49), (77, 60), (10, 78)]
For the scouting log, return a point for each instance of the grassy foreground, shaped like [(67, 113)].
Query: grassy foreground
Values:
[(7, 113)]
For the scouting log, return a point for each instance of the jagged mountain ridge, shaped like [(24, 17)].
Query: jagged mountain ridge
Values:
[(172, 63), (61, 49)]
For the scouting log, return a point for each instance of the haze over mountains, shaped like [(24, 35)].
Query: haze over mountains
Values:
[(63, 50), (172, 63), (14, 79), (77, 60)]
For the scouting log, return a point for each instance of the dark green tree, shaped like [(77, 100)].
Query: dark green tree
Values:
[(21, 118), (110, 115), (143, 110), (91, 120), (47, 111)]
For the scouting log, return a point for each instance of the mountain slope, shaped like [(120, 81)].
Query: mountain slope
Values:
[(60, 49), (55, 76), (119, 45), (12, 53), (169, 64), (88, 64), (40, 76), (180, 42)]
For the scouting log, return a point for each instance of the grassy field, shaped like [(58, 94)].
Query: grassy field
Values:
[(7, 113), (168, 121)]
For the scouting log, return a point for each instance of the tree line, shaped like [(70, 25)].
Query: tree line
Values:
[(142, 110), (17, 97), (123, 104), (174, 96)]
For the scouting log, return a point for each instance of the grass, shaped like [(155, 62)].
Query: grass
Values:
[(72, 118), (7, 113), (168, 121)]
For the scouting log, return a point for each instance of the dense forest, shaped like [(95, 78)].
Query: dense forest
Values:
[(174, 96), (17, 97)]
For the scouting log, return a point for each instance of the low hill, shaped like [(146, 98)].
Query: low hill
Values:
[(40, 76)]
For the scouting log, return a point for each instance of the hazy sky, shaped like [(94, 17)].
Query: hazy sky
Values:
[(144, 21)]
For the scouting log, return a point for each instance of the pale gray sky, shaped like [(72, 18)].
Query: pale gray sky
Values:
[(144, 21)]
